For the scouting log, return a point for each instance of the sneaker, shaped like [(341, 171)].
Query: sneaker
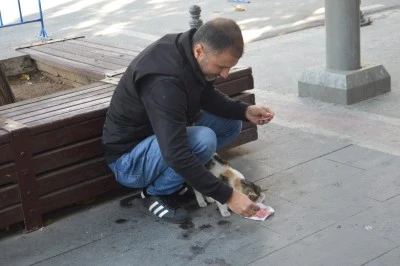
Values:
[(165, 208)]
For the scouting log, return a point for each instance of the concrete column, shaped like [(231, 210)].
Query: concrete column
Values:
[(344, 80), (342, 23)]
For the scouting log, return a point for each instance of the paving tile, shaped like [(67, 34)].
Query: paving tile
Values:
[(67, 232), (380, 183), (315, 211), (382, 219), (387, 259), (279, 148), (332, 246), (357, 156), (212, 241), (308, 177)]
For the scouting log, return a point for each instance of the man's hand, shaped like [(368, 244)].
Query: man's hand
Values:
[(240, 204), (259, 115)]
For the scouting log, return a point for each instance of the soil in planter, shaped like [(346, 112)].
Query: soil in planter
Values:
[(33, 84)]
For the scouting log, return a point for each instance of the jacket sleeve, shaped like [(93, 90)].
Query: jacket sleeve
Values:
[(166, 105), (220, 104)]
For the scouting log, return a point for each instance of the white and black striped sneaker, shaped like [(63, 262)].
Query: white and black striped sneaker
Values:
[(165, 208)]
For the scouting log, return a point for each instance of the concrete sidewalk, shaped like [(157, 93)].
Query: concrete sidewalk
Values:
[(332, 174)]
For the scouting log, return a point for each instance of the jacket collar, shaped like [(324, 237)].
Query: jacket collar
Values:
[(185, 46)]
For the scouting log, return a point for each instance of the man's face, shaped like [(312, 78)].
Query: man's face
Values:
[(214, 64)]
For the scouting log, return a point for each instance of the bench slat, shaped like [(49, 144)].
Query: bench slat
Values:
[(116, 58), (87, 43), (5, 109), (9, 196), (71, 175), (93, 72), (11, 215), (77, 58), (7, 174), (69, 134), (65, 156), (79, 192)]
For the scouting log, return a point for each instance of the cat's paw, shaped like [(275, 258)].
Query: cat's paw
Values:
[(203, 204), (210, 200), (225, 213)]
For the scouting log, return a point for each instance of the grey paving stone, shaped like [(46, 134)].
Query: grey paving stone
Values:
[(212, 241), (308, 177), (332, 246), (279, 148), (390, 258), (380, 183), (315, 211), (382, 219), (362, 157), (68, 232)]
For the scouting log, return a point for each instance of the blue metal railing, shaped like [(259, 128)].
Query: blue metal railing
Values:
[(42, 34)]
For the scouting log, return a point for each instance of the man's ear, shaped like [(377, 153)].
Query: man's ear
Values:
[(198, 51)]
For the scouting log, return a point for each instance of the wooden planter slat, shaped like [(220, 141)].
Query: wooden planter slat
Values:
[(108, 56), (71, 175), (7, 174), (9, 195), (134, 51), (69, 134), (65, 156), (11, 215), (80, 192)]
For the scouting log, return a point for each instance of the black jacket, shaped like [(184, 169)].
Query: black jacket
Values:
[(160, 93)]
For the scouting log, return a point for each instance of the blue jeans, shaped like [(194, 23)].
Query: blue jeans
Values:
[(144, 166)]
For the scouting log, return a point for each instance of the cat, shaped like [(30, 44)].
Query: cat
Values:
[(221, 169)]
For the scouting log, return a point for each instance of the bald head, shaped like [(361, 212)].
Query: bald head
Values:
[(221, 35)]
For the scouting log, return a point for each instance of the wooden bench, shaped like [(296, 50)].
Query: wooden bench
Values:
[(51, 153)]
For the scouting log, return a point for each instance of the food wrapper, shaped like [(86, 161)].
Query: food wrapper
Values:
[(263, 213)]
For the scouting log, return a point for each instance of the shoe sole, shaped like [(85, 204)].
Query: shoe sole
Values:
[(149, 213)]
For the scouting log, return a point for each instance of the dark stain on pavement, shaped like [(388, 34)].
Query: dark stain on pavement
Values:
[(217, 261), (121, 221), (223, 222)]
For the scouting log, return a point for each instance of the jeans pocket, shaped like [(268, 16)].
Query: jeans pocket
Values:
[(129, 173)]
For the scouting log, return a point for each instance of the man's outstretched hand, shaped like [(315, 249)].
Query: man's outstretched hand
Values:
[(240, 204), (259, 115)]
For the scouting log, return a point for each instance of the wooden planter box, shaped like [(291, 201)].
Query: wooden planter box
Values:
[(51, 154)]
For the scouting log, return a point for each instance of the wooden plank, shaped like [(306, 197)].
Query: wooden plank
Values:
[(77, 58), (47, 42), (7, 174), (71, 175), (58, 95), (68, 134), (108, 56), (76, 193), (68, 155), (68, 110), (5, 153), (49, 108), (236, 86), (9, 195), (247, 135), (78, 116), (11, 215), (235, 73), (134, 51), (116, 73), (4, 135), (93, 72)]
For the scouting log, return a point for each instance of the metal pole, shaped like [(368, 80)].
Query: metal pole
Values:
[(42, 34), (342, 23), (20, 12)]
